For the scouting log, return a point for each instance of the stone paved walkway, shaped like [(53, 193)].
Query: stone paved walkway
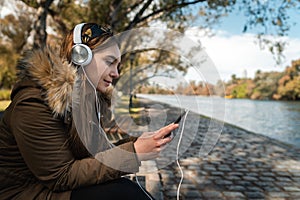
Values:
[(242, 165)]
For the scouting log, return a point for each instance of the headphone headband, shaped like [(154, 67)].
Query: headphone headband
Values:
[(77, 33)]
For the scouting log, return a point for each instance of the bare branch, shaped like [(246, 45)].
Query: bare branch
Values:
[(134, 6), (138, 15), (158, 12)]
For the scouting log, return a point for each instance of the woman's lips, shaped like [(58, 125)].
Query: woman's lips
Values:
[(107, 82)]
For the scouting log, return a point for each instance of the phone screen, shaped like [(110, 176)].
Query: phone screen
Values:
[(177, 122), (179, 118)]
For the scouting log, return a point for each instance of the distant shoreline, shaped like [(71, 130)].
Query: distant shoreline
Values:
[(229, 98)]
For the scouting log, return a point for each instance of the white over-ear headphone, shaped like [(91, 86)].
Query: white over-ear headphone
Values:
[(81, 54)]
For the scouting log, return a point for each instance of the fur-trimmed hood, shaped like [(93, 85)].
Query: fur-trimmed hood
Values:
[(54, 75)]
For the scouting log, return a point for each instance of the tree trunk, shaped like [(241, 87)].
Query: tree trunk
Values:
[(40, 34)]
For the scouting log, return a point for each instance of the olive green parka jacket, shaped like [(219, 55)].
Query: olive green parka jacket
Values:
[(37, 160)]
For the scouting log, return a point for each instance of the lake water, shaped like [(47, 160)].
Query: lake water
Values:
[(276, 119)]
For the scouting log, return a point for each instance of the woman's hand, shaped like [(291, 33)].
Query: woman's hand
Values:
[(149, 144)]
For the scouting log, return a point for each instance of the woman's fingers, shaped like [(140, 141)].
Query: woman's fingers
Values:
[(150, 144), (161, 142), (165, 131)]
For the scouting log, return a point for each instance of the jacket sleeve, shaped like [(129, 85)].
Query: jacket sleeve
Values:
[(42, 141)]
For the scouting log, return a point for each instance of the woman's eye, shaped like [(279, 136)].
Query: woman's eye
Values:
[(109, 63)]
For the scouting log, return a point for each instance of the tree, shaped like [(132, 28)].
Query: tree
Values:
[(11, 46), (40, 22), (291, 91), (266, 17), (7, 69), (289, 84), (266, 85)]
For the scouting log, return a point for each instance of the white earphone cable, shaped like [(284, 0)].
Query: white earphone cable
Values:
[(97, 107), (177, 155), (177, 161)]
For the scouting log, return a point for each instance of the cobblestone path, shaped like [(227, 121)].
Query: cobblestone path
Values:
[(242, 165)]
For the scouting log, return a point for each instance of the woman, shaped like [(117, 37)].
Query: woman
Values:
[(52, 143)]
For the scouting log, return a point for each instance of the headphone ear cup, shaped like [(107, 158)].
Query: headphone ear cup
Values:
[(81, 54)]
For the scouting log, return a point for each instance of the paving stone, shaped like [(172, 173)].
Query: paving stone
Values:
[(255, 195), (224, 169), (236, 188), (251, 167), (223, 182), (271, 189), (283, 179), (187, 181), (235, 174), (295, 179), (268, 174), (242, 162), (257, 170), (234, 195), (170, 187), (188, 186), (224, 166), (203, 182), (171, 193), (278, 194), (193, 167), (249, 178), (264, 183), (213, 178), (295, 195), (242, 170), (252, 174), (244, 183), (282, 184), (295, 173), (263, 178), (212, 195), (216, 163), (281, 173), (217, 173), (209, 168), (192, 194), (292, 189), (233, 178), (254, 189), (237, 166)]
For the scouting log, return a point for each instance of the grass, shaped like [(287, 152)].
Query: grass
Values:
[(5, 94), (4, 104), (138, 112)]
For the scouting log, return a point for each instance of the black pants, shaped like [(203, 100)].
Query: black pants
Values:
[(122, 188)]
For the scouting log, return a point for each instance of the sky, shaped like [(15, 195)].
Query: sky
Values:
[(233, 52)]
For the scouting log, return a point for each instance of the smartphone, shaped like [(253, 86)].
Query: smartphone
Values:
[(179, 118), (176, 122)]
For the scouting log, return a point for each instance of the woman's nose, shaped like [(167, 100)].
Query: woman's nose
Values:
[(114, 73)]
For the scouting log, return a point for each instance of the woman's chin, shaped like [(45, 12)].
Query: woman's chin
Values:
[(103, 88)]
